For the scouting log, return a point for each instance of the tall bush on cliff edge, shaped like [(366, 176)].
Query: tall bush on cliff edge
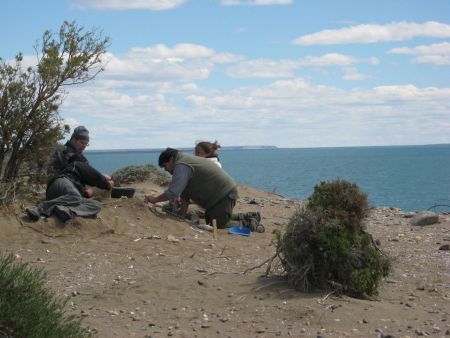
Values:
[(31, 95), (30, 310), (326, 246)]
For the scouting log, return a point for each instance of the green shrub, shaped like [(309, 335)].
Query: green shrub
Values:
[(141, 173), (297, 251), (28, 309), (340, 199), (325, 244)]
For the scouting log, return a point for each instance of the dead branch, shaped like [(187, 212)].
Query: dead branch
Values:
[(268, 260)]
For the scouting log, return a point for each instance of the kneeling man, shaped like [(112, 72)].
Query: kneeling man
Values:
[(200, 180)]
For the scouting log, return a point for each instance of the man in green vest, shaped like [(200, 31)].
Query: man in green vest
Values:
[(200, 180)]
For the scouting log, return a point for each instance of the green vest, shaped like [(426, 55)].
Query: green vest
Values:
[(208, 184)]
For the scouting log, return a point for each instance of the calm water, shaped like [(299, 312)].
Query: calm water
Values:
[(407, 177)]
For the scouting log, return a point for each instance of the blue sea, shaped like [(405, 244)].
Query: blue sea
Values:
[(412, 178)]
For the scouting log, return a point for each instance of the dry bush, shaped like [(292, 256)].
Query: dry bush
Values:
[(326, 246)]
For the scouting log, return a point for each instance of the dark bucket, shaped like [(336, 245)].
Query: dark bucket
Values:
[(118, 192)]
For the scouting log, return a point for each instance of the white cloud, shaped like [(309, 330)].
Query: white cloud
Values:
[(302, 114), (128, 4), (331, 59), (266, 68), (351, 74), (438, 60), (437, 48), (290, 113), (371, 33), (373, 61), (437, 54), (160, 63), (182, 51), (151, 97), (256, 2), (263, 68)]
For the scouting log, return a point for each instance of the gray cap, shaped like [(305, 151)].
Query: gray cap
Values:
[(80, 133)]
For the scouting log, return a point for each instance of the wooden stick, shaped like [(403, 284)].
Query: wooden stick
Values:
[(214, 224)]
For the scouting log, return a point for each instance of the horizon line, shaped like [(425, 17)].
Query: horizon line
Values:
[(262, 147)]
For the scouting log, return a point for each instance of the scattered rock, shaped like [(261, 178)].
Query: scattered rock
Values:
[(199, 282), (201, 270), (205, 227), (386, 335), (420, 333), (172, 239), (445, 247), (425, 218)]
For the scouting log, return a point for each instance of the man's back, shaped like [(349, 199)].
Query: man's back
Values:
[(208, 184)]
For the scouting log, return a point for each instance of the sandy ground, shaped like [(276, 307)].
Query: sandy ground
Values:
[(136, 272)]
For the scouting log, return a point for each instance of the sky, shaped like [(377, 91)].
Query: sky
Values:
[(288, 73)]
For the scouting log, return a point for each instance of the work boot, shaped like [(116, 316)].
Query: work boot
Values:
[(63, 213), (253, 214), (254, 223), (33, 213)]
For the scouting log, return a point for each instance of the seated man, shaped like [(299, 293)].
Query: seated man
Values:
[(67, 195), (200, 180)]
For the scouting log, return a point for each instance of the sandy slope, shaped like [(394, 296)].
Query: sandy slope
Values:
[(135, 272)]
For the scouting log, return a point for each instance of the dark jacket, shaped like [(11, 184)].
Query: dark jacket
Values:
[(73, 165)]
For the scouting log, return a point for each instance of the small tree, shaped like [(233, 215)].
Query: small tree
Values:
[(29, 98)]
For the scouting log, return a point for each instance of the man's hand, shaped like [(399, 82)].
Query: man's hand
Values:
[(155, 199), (110, 180), (150, 199), (184, 205), (88, 192)]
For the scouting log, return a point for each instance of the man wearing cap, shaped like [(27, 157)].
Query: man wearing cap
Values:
[(200, 180), (67, 193)]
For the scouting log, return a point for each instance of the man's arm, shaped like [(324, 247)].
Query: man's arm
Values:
[(92, 177), (155, 199), (181, 176)]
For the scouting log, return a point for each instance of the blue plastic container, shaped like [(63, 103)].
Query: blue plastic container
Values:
[(239, 230)]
